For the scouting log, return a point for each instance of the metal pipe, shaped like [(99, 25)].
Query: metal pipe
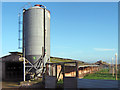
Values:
[(44, 48), (23, 48), (44, 32), (24, 64)]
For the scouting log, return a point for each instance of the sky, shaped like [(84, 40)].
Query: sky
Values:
[(85, 31)]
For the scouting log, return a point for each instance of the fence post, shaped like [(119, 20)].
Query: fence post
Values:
[(116, 64)]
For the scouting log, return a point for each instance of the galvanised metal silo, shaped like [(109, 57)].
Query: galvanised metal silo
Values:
[(36, 33)]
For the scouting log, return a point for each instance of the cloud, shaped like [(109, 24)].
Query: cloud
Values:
[(104, 49)]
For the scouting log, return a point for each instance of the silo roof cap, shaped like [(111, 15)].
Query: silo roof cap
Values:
[(38, 5)]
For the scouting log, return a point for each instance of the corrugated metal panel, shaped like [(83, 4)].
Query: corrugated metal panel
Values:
[(47, 41), (33, 20)]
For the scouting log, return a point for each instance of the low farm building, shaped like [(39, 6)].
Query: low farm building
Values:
[(12, 68), (70, 71)]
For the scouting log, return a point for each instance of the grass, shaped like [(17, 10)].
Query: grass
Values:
[(58, 60), (60, 84), (103, 74)]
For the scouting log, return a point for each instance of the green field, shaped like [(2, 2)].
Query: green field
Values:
[(103, 74)]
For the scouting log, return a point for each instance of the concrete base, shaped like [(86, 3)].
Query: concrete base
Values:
[(70, 82), (50, 82)]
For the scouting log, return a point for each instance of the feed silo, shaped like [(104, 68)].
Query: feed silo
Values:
[(36, 33)]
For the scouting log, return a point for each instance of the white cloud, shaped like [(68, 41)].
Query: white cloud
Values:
[(104, 49)]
